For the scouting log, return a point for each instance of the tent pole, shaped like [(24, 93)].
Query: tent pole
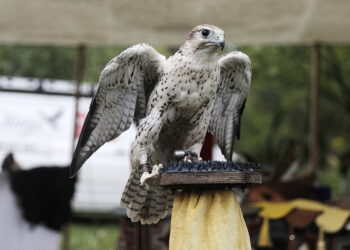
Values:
[(79, 76), (313, 116)]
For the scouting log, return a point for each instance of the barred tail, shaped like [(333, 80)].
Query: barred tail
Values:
[(147, 204)]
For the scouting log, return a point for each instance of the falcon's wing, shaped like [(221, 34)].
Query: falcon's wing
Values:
[(235, 74), (124, 87)]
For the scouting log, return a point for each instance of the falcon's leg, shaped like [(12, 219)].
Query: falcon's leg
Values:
[(187, 155), (145, 168), (196, 148), (143, 147)]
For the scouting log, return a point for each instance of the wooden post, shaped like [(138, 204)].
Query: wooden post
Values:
[(143, 234), (313, 116), (79, 75)]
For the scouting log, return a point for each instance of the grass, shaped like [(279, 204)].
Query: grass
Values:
[(93, 237)]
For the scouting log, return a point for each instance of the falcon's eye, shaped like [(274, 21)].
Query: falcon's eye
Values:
[(205, 32)]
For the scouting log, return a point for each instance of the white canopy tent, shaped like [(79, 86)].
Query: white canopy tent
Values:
[(125, 22), (166, 22)]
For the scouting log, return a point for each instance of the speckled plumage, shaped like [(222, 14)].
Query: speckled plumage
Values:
[(174, 101)]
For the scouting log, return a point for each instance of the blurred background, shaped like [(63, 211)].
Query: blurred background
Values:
[(296, 121)]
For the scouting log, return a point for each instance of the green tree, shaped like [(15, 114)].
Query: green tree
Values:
[(278, 104)]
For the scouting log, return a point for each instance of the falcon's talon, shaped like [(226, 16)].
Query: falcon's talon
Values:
[(151, 178), (186, 155)]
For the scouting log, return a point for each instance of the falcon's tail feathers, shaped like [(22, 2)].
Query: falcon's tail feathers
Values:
[(147, 204)]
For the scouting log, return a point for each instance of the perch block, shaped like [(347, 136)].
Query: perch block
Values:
[(206, 214)]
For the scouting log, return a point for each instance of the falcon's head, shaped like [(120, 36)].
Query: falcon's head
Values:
[(206, 37)]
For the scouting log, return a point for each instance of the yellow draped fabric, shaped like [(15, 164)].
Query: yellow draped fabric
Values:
[(208, 220), (330, 220)]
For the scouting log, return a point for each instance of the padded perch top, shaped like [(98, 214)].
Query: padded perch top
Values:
[(209, 174)]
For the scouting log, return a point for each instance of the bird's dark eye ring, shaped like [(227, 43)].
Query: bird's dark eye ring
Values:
[(205, 32)]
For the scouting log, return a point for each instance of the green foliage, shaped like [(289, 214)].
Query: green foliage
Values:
[(277, 107), (56, 62), (42, 62), (335, 99), (277, 111)]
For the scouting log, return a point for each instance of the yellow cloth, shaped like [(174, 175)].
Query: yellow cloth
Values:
[(264, 235), (208, 220), (330, 220)]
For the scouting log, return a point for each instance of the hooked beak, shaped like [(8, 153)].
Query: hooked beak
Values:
[(221, 43)]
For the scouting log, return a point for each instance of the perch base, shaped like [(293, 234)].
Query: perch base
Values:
[(209, 174)]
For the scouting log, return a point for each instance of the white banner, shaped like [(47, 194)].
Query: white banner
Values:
[(38, 129)]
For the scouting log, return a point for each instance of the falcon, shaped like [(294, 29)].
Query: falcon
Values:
[(174, 102)]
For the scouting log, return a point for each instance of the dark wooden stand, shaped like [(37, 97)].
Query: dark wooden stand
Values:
[(209, 179), (211, 174)]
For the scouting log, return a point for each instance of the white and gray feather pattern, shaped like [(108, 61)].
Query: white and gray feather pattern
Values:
[(174, 102), (235, 76), (124, 87)]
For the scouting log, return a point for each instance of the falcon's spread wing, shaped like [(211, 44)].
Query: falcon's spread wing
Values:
[(124, 87), (235, 74)]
